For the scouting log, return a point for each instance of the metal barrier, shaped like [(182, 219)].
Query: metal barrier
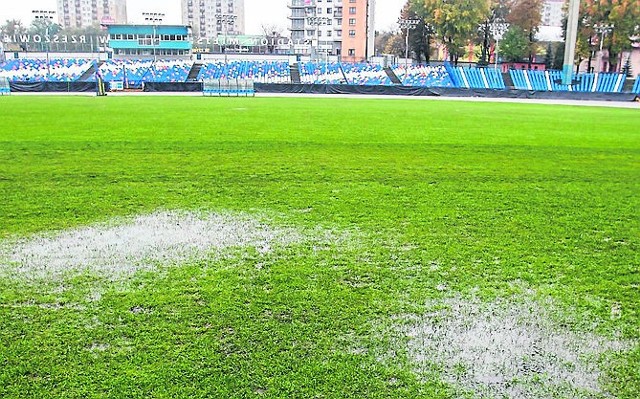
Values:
[(228, 88)]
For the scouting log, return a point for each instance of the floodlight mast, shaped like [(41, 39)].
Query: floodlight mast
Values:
[(154, 18), (498, 29), (226, 20), (571, 36), (46, 16), (407, 24), (318, 22), (602, 29)]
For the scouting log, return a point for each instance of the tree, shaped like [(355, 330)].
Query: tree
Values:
[(395, 46), (514, 46), (527, 15), (272, 33), (420, 37), (622, 14), (455, 22), (382, 40), (498, 14), (11, 28), (43, 28)]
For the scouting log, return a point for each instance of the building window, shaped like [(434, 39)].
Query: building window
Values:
[(352, 10), (352, 22), (352, 33), (352, 52)]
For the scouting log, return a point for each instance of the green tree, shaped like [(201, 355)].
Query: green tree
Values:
[(499, 11), (515, 44), (527, 15), (623, 15), (395, 46), (43, 28), (454, 22)]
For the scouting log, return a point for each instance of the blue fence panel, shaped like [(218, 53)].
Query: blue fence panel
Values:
[(556, 81), (538, 80), (494, 77), (636, 87), (517, 76)]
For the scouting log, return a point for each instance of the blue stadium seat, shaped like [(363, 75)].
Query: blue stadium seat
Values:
[(257, 71), (519, 79), (358, 73), (423, 75), (38, 70)]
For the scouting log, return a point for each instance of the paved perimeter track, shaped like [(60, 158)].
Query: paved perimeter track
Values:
[(610, 104)]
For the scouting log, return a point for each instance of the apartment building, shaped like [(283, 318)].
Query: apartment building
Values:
[(552, 13), (84, 13), (343, 28), (201, 16)]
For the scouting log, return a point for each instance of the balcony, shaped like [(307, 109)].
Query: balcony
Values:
[(301, 3)]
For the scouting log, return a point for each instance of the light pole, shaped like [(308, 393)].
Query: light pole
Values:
[(429, 30), (155, 18), (45, 16), (571, 35), (498, 29), (226, 20), (407, 24), (602, 29), (317, 22)]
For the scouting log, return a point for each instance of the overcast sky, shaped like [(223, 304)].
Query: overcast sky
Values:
[(258, 12)]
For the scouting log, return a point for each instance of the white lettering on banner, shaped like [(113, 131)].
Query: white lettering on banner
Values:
[(104, 40)]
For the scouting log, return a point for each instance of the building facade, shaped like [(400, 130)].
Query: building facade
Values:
[(84, 13), (201, 16), (150, 41), (552, 13), (346, 28)]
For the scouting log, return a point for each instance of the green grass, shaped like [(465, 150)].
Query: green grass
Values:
[(499, 196)]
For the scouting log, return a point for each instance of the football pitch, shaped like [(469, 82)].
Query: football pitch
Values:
[(185, 247)]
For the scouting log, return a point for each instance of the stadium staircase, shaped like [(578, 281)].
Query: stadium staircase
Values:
[(392, 75), (627, 87), (508, 82), (344, 75), (194, 72), (89, 74), (295, 73)]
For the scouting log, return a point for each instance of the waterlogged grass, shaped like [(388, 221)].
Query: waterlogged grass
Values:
[(435, 199)]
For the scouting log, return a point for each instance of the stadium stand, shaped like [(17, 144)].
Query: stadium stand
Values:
[(424, 76), (551, 81), (129, 73), (362, 74), (257, 71), (56, 70), (134, 72), (169, 71)]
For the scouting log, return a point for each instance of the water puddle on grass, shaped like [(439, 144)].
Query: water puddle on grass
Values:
[(506, 349), (120, 248)]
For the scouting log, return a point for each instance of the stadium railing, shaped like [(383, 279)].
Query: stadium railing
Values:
[(5, 88)]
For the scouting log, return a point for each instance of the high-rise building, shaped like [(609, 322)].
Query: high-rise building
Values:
[(552, 13), (201, 16), (346, 30), (83, 13)]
